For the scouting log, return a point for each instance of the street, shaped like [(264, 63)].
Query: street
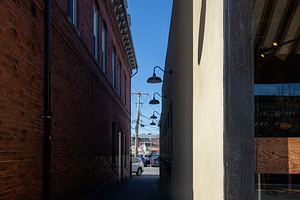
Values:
[(146, 186)]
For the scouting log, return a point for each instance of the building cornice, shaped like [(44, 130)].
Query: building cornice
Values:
[(120, 8)]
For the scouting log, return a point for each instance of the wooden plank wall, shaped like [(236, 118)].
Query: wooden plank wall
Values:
[(277, 155)]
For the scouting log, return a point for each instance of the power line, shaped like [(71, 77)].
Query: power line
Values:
[(134, 87), (148, 130)]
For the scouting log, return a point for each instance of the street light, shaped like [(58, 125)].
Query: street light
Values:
[(154, 101), (152, 123), (156, 79), (153, 116)]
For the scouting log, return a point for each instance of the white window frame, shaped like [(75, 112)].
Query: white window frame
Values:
[(95, 31), (72, 8)]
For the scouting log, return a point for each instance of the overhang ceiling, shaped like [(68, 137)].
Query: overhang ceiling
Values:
[(277, 21)]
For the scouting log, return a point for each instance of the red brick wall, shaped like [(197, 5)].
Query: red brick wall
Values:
[(83, 101)]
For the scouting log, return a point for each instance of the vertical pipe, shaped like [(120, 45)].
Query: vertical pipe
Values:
[(47, 111), (130, 164), (120, 156), (259, 186)]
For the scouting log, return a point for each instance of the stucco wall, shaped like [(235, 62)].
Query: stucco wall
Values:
[(211, 93), (208, 99), (178, 88)]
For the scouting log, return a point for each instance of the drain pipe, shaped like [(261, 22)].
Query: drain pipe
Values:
[(137, 70), (47, 111)]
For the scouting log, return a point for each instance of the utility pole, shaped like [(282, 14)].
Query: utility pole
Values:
[(151, 143), (137, 121)]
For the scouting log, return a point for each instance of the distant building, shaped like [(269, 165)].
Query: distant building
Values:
[(146, 139), (92, 58)]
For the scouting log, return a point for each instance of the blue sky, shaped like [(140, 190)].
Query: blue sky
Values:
[(150, 30)]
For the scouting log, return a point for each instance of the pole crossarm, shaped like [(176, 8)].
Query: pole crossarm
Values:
[(139, 93)]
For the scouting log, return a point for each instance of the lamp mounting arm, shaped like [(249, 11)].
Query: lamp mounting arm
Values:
[(155, 112), (161, 70), (158, 95)]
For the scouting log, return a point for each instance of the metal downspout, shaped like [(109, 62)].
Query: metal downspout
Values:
[(47, 111)]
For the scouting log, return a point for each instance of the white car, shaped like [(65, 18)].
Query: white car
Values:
[(137, 166)]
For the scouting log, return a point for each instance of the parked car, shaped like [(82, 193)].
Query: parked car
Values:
[(155, 162), (137, 166)]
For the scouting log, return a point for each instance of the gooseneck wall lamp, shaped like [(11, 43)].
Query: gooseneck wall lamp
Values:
[(153, 116), (152, 123), (154, 101), (156, 79)]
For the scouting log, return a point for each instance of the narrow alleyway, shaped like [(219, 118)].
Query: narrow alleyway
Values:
[(143, 187)]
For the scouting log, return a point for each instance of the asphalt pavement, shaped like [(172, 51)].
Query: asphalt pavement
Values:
[(144, 187)]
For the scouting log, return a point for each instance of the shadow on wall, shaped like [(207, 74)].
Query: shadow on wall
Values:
[(201, 30)]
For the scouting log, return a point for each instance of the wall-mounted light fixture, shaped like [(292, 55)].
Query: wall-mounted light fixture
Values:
[(154, 101), (153, 116), (156, 79), (152, 123)]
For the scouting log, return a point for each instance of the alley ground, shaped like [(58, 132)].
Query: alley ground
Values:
[(142, 187)]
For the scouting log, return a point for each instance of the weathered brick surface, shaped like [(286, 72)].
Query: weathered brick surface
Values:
[(83, 101)]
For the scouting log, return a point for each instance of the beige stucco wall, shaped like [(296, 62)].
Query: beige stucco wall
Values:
[(196, 92), (208, 103)]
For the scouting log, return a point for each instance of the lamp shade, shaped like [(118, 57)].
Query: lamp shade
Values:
[(154, 79), (153, 117), (285, 126), (154, 101)]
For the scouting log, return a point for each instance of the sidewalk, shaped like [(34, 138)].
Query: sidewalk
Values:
[(143, 187)]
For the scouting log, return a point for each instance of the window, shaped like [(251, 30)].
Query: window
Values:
[(72, 10), (95, 32), (125, 89), (103, 46), (119, 80), (135, 160), (277, 98), (113, 67)]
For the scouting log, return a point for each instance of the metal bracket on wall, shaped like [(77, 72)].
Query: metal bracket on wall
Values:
[(47, 115)]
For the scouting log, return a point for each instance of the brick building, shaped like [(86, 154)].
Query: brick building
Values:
[(92, 58)]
